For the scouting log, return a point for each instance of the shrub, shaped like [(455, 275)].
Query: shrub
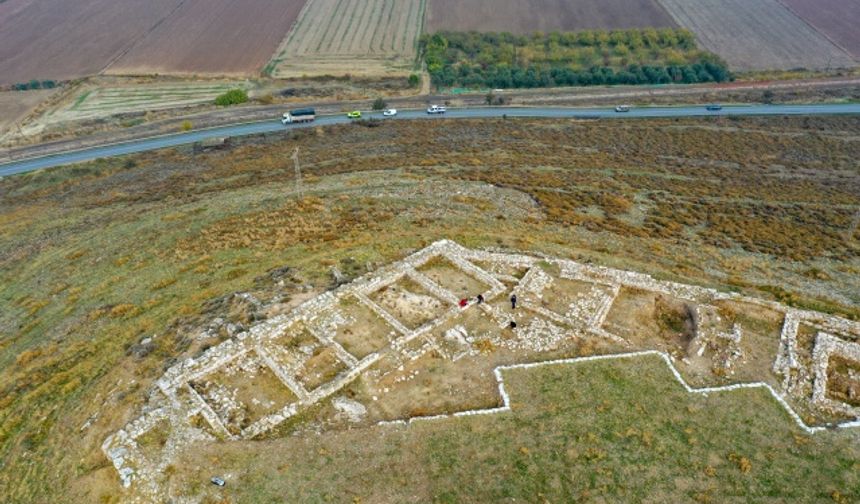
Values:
[(232, 97), (379, 104), (414, 80), (187, 125)]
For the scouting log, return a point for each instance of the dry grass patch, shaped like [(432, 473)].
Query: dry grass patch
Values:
[(243, 391), (448, 276), (321, 367), (410, 303), (760, 329), (366, 332), (843, 380)]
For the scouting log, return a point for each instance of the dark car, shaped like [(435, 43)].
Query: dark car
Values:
[(714, 107)]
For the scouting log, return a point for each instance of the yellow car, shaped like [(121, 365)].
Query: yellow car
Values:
[(355, 114)]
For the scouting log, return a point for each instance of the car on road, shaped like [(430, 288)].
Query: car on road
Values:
[(714, 107), (436, 109), (389, 112), (355, 114), (622, 108)]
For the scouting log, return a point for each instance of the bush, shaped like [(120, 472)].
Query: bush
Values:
[(187, 125), (414, 80), (379, 104), (232, 97)]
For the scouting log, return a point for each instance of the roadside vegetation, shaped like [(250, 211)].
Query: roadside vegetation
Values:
[(106, 267), (232, 97), (504, 60)]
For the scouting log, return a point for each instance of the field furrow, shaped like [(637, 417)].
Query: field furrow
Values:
[(528, 16), (356, 37), (757, 35)]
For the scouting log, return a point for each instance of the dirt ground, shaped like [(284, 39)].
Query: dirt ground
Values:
[(15, 105), (215, 38), (836, 19), (757, 35), (544, 15), (62, 39)]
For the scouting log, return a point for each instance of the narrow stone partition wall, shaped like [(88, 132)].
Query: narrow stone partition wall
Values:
[(261, 377)]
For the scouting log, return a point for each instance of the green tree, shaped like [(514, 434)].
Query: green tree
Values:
[(232, 97), (414, 80)]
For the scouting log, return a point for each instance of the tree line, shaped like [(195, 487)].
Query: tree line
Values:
[(35, 84), (504, 60)]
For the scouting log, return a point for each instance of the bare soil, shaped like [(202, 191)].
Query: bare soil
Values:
[(757, 35), (205, 37), (760, 328), (367, 332), (544, 15), (15, 105), (409, 303), (836, 19), (640, 315), (320, 368), (449, 277), (65, 39)]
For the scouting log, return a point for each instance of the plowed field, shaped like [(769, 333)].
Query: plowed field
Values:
[(753, 35), (837, 19), (213, 37), (356, 37), (64, 39), (525, 16)]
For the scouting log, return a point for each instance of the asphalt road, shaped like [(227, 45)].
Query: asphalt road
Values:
[(173, 140)]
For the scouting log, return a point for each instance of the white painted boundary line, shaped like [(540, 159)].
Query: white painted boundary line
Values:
[(506, 400)]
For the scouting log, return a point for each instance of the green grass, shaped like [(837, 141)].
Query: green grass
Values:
[(606, 431), (80, 99)]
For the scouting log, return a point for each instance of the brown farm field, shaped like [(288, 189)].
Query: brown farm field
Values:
[(223, 38), (837, 19), (760, 35), (61, 39), (14, 105), (355, 37), (544, 15)]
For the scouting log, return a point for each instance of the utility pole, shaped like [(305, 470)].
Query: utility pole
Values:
[(299, 190)]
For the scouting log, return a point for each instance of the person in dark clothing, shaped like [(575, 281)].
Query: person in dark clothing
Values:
[(514, 302), (513, 325), (480, 298)]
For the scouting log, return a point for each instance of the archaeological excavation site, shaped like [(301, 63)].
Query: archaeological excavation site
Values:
[(412, 342)]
